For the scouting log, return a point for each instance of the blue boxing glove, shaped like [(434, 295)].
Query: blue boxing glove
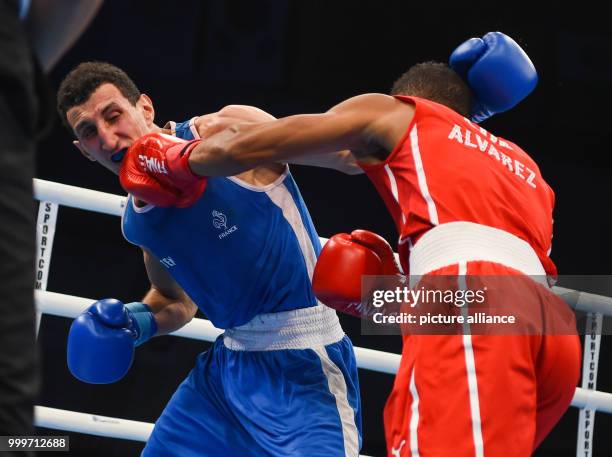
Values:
[(497, 70), (102, 339)]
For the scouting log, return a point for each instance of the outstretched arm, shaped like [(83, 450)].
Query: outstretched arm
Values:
[(211, 124), (166, 171), (342, 161), (350, 125)]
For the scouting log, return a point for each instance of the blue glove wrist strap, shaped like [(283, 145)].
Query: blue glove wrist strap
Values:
[(143, 320)]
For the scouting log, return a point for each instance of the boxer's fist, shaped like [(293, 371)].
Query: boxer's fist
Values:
[(497, 70), (381, 248), (343, 261), (156, 169), (102, 339)]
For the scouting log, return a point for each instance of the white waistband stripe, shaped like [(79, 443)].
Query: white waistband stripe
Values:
[(455, 242), (297, 329)]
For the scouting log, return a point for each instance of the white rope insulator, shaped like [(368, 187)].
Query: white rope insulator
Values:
[(593, 399), (199, 329), (77, 197), (61, 304), (383, 362), (71, 306), (91, 424), (45, 234), (584, 301)]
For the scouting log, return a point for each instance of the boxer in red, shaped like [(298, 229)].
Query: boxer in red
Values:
[(465, 203)]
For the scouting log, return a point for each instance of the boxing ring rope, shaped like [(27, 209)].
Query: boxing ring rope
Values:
[(201, 329), (105, 203), (91, 424)]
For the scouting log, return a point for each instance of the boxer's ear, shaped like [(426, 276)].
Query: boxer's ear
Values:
[(77, 144), (146, 105)]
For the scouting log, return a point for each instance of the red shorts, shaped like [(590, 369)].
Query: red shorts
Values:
[(482, 394)]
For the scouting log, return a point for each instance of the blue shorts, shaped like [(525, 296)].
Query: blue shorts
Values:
[(284, 402)]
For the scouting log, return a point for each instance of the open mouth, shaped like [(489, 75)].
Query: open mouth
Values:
[(118, 156)]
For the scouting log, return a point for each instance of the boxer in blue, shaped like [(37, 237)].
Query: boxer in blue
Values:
[(282, 379)]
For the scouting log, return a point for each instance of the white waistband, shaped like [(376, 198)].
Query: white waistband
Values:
[(454, 242), (296, 329)]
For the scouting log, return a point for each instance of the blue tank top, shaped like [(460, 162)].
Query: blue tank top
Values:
[(239, 251)]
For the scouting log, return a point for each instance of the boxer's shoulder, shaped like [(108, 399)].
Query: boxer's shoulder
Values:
[(264, 175), (387, 119)]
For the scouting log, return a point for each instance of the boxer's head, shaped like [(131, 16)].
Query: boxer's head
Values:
[(436, 82), (105, 110)]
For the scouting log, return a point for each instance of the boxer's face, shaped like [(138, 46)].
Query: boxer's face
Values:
[(107, 123)]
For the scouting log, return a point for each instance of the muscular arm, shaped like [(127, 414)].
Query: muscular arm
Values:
[(366, 125), (170, 304), (54, 26), (211, 124), (342, 161)]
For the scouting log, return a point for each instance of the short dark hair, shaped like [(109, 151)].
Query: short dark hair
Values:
[(437, 82), (82, 81)]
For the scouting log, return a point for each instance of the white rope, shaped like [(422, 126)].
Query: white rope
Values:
[(71, 306), (92, 424), (200, 329), (593, 399), (584, 301), (77, 197), (102, 202)]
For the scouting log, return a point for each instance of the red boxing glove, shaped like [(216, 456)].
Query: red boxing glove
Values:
[(343, 261), (156, 169), (382, 249)]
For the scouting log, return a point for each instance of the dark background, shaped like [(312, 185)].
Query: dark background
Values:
[(290, 57)]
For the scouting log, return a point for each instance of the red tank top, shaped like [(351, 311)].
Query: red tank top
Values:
[(447, 169)]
